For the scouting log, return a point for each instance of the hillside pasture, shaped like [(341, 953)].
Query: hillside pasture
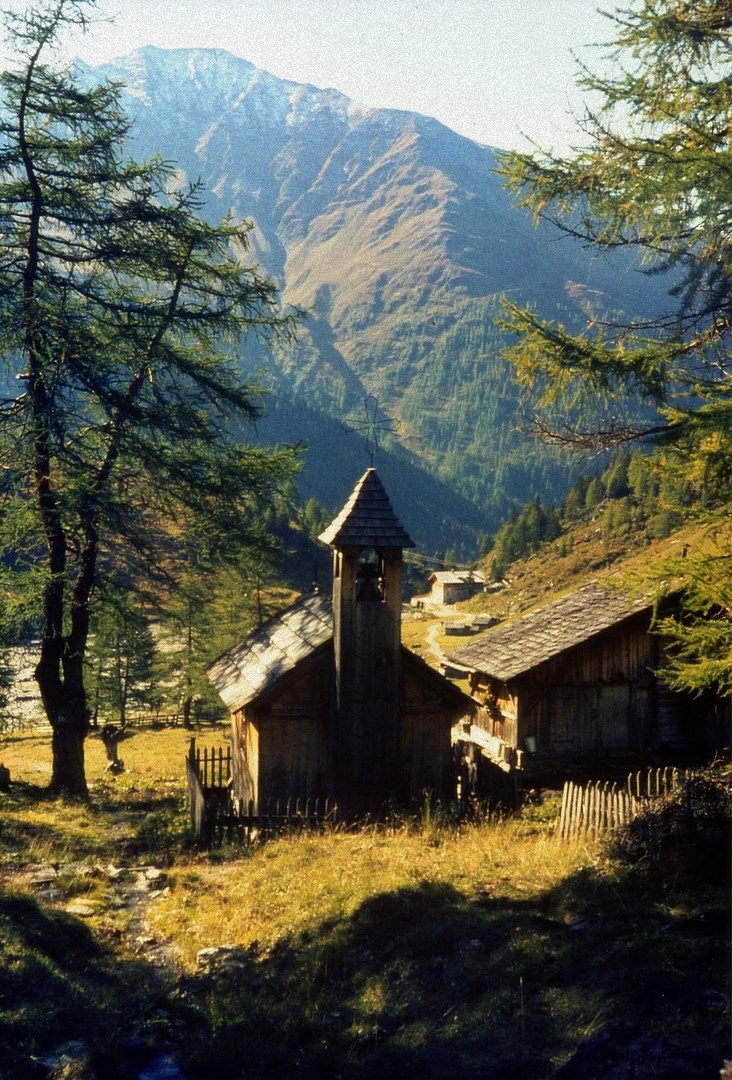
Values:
[(419, 945)]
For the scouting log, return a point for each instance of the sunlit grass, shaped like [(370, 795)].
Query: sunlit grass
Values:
[(137, 808), (148, 754), (422, 945), (294, 885)]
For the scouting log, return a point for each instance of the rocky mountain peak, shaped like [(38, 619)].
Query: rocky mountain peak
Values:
[(397, 236)]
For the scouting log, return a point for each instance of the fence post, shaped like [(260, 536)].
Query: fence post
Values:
[(563, 811), (601, 805)]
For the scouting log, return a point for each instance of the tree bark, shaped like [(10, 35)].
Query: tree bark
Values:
[(70, 726), (60, 677), (65, 704)]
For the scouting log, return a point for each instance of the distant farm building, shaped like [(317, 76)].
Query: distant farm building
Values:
[(325, 700), (451, 586), (575, 682), (475, 624)]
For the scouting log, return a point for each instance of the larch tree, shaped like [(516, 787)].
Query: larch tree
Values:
[(123, 416), (654, 177), (120, 658), (212, 607)]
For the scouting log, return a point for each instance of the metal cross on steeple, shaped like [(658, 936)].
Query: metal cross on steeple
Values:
[(371, 426)]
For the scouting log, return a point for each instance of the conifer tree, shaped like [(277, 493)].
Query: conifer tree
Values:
[(655, 176), (121, 312), (594, 493), (120, 658)]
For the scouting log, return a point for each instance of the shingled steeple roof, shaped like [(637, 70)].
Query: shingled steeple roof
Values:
[(367, 520)]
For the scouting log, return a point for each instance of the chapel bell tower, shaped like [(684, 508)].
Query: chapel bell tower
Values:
[(367, 540)]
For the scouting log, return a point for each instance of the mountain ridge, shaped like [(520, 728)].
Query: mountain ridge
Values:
[(396, 236)]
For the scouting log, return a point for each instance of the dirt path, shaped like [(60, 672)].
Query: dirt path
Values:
[(432, 644), (116, 902), (127, 897)]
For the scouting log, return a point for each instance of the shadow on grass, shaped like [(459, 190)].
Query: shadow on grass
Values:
[(422, 981), (426, 982), (59, 984)]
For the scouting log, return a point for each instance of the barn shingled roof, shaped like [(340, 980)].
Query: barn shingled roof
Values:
[(514, 648), (367, 520), (248, 669)]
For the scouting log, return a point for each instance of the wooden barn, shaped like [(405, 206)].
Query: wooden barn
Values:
[(574, 682), (325, 700)]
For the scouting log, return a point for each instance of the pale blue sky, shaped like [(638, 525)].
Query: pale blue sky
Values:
[(489, 69)]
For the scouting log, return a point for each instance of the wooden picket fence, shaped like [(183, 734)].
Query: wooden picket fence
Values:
[(217, 818), (236, 822), (653, 783), (212, 765), (207, 774), (595, 808)]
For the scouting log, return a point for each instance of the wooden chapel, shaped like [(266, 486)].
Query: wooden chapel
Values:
[(325, 700)]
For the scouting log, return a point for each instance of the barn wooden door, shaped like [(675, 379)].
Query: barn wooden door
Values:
[(613, 717), (572, 719)]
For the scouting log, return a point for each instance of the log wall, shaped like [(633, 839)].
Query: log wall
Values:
[(595, 699)]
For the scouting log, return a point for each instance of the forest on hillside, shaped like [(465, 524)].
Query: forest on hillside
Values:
[(635, 500)]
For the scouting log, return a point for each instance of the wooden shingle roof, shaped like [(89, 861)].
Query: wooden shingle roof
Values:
[(367, 520), (248, 669), (518, 647)]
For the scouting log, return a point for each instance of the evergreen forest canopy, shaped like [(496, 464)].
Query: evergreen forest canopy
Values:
[(655, 176), (634, 499), (123, 446)]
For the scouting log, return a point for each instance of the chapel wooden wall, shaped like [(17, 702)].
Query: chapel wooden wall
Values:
[(427, 715), (282, 748), (244, 758)]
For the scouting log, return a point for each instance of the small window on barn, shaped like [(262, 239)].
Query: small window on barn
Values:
[(370, 577)]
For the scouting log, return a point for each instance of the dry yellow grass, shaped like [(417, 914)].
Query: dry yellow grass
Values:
[(548, 574), (147, 753), (429, 947), (136, 808), (297, 885)]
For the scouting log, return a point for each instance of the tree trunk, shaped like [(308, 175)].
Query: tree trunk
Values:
[(60, 678), (68, 776)]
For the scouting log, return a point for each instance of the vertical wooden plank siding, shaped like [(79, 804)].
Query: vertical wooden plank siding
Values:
[(217, 818), (592, 698)]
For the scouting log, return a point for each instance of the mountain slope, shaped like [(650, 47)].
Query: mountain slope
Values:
[(397, 237)]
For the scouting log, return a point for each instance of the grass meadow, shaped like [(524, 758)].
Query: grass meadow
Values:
[(422, 945)]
